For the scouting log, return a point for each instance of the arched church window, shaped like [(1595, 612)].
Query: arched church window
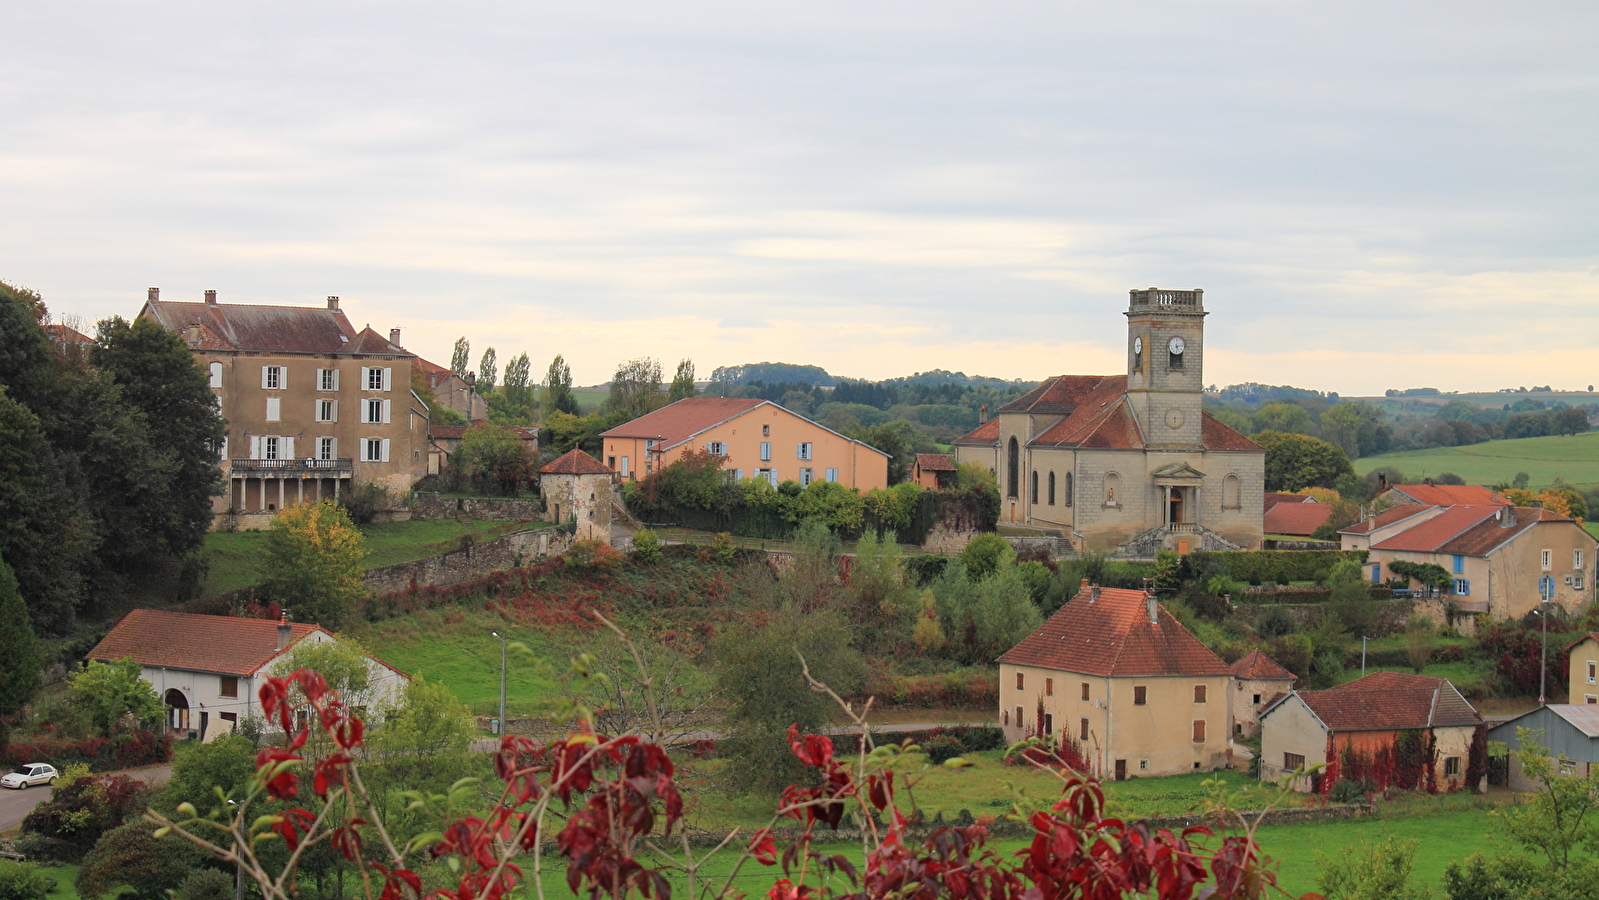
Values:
[(1052, 489), (1033, 489), (1231, 489), (1013, 469), (1113, 483), (1071, 488)]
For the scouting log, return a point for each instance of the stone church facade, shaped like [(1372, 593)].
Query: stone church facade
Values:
[(1129, 463)]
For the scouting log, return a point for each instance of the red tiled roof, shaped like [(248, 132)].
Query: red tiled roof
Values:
[(935, 462), (1111, 635), (1482, 538), (278, 329), (1100, 419), (1217, 436), (1385, 518), (677, 422), (576, 462), (1432, 534), (1451, 494), (1388, 701), (983, 435), (63, 334), (456, 432), (1296, 518), (1272, 498), (221, 644), (1059, 395), (1257, 666)]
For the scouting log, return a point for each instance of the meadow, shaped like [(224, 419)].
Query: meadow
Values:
[(1573, 459)]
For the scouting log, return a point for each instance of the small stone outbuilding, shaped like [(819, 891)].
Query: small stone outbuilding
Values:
[(579, 487), (1259, 681)]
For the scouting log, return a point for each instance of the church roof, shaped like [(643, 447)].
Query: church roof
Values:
[(1059, 395), (984, 435)]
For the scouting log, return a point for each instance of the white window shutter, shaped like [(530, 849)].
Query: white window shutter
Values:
[(335, 448), (335, 405), (365, 379), (335, 379), (223, 454), (283, 377), (288, 448), (255, 446), (386, 403), (385, 449), (388, 377), (264, 376)]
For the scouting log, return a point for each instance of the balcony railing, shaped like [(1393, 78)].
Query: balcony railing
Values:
[(1155, 297), (1183, 527), (282, 468)]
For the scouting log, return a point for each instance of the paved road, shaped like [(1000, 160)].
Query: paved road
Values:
[(15, 805)]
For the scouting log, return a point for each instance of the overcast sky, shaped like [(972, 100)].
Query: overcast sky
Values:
[(1372, 194)]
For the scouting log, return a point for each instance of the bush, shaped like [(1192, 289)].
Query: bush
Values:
[(646, 546), (363, 503), (1276, 622), (205, 884), (137, 748), (924, 569), (23, 881), (941, 747), (132, 855), (81, 808), (1350, 791)]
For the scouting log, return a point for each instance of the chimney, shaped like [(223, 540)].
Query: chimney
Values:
[(1382, 482), (333, 301), (1153, 608), (1507, 516), (1083, 587), (394, 336), (153, 294), (1093, 593), (210, 298), (1427, 482), (283, 632), (982, 411)]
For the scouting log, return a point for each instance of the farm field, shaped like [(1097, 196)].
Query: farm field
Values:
[(235, 557), (1571, 458)]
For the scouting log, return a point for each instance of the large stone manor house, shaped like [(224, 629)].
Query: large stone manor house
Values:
[(1131, 462)]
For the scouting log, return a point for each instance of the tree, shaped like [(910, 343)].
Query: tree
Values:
[(461, 357), (517, 374), (111, 693), (425, 744), (636, 387), (1558, 819), (1289, 418), (986, 554), (132, 855), (23, 659), (1418, 642), (1295, 461), (80, 809), (682, 382), (558, 388), (492, 457), (486, 370), (225, 762), (1371, 870), (899, 440), (1357, 429), (317, 563), (343, 664)]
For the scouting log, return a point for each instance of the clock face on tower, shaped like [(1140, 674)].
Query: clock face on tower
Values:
[(1138, 345), (1176, 346)]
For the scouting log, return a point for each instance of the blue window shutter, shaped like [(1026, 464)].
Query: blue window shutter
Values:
[(1460, 564), (1465, 587)]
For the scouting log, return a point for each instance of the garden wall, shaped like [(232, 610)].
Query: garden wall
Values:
[(947, 541), (471, 562), (429, 505)]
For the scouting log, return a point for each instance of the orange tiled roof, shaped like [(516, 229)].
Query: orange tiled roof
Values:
[(1432, 534), (1059, 395), (1451, 494), (1384, 518), (1217, 436), (173, 640), (935, 462), (1257, 666), (576, 462), (677, 422), (1297, 519), (1388, 701), (983, 435), (1482, 538), (1272, 498), (64, 334), (1112, 635)]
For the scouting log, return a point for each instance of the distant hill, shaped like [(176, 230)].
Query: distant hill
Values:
[(940, 377), (794, 373)]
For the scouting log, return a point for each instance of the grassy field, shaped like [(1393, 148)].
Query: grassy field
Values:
[(235, 557), (1573, 459)]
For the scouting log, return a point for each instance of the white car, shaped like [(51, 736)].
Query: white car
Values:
[(28, 775)]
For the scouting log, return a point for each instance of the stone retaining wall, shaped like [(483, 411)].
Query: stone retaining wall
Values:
[(429, 505), (947, 541), (471, 562)]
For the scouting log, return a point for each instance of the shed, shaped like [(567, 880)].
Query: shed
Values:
[(1570, 732)]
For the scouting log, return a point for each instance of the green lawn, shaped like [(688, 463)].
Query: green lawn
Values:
[(235, 557), (1573, 459), (1444, 839), (66, 878)]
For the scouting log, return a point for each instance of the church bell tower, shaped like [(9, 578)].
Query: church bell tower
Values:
[(1165, 365)]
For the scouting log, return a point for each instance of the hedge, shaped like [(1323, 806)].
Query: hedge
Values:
[(139, 748), (1271, 566), (1302, 596), (969, 738)]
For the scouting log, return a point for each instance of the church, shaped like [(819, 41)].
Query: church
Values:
[(1129, 463)]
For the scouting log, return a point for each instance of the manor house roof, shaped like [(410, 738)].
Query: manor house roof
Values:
[(319, 330), (1108, 632)]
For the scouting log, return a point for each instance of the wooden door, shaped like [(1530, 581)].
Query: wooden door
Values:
[(1121, 770)]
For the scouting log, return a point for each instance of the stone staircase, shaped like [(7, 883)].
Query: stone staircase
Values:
[(1144, 544)]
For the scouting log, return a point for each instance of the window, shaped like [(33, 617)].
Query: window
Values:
[(327, 379), (1576, 581), (1049, 687), (269, 448), (1451, 767), (272, 378), (1568, 767), (832, 474), (1020, 680), (1174, 361), (1576, 559), (327, 410), (738, 475), (1052, 489), (807, 476), (231, 718), (375, 412), (625, 471), (274, 410), (766, 451), (1019, 717), (377, 379), (1591, 671), (1460, 564), (1012, 469), (1462, 587), (327, 448), (769, 474), (229, 686), (1591, 698), (1140, 695), (1546, 588), (1085, 692), (1033, 490), (805, 450), (1548, 559), (1293, 762), (766, 431), (1256, 700), (1082, 732), (1143, 765), (610, 461), (1069, 487), (1199, 731), (375, 450), (1199, 693), (1049, 724), (716, 448), (1231, 492), (216, 382)]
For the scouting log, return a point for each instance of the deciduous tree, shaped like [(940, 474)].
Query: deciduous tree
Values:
[(1295, 461), (317, 563), (636, 387), (112, 693), (461, 357), (487, 371), (682, 383), (558, 388)]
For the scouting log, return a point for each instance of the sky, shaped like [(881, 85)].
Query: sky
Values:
[(1371, 194)]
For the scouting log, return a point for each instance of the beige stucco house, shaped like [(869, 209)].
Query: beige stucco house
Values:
[(1129, 461), (1583, 655), (1113, 671), (756, 439), (313, 405)]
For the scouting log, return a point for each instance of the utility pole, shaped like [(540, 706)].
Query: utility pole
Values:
[(502, 680), (1363, 640), (1543, 660)]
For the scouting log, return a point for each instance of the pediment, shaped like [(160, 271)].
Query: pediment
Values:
[(1178, 472)]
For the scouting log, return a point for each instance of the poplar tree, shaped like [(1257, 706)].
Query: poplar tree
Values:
[(487, 370), (461, 358), (682, 382), (23, 658), (558, 388)]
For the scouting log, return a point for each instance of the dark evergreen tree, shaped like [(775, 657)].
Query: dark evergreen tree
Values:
[(23, 658)]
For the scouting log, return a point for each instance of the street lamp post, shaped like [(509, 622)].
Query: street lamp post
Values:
[(1363, 640), (502, 680)]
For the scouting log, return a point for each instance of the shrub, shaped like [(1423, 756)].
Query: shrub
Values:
[(924, 569), (646, 546), (1350, 791), (941, 747), (363, 503), (23, 881), (81, 808), (1276, 622), (205, 884), (132, 855), (1270, 566), (593, 556)]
